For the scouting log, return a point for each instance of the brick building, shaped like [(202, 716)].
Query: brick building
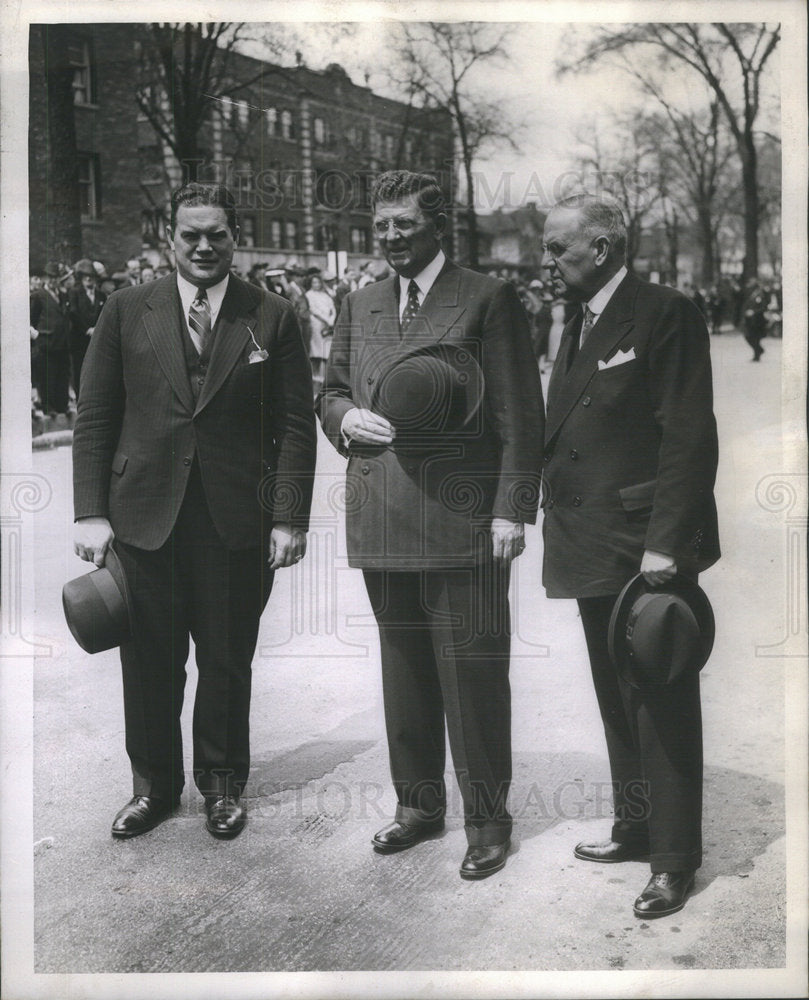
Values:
[(298, 147)]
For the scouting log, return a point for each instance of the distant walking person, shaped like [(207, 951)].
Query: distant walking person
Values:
[(194, 450), (755, 318)]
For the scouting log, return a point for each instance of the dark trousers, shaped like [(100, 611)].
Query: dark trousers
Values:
[(191, 586), (654, 742), (77, 360), (445, 644), (50, 374)]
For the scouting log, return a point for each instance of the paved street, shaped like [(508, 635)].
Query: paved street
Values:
[(302, 890)]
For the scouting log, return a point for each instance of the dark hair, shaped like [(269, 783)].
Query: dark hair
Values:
[(394, 185), (600, 217), (195, 193)]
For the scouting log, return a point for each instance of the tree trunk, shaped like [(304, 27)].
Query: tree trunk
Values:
[(471, 217), (62, 207), (705, 232), (751, 206)]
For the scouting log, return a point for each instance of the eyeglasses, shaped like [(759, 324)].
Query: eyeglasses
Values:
[(401, 227)]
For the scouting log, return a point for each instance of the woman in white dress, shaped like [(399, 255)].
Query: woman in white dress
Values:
[(322, 317)]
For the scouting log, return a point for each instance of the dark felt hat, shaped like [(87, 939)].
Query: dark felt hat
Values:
[(52, 269), (658, 633), (430, 391), (97, 606), (85, 267)]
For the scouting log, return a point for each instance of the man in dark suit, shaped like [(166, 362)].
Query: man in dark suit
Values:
[(435, 527), (629, 467), (84, 307), (50, 361), (194, 448)]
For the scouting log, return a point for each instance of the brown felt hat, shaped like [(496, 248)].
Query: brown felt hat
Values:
[(97, 606)]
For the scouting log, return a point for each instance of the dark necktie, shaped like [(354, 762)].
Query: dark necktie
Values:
[(411, 306), (199, 320), (587, 325)]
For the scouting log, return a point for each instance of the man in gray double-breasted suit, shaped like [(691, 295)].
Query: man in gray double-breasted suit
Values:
[(435, 528)]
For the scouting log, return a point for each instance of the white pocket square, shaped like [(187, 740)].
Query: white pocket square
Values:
[(620, 358)]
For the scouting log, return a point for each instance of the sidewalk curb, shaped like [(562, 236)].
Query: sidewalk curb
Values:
[(52, 439)]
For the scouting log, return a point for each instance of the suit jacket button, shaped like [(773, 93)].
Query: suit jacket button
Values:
[(200, 381), (370, 380), (366, 469), (186, 461), (573, 454), (550, 504), (586, 401), (577, 501)]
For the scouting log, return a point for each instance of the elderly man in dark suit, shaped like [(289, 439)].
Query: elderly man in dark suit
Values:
[(50, 361), (194, 448), (629, 467), (435, 524)]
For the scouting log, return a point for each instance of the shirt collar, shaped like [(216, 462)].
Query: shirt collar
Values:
[(426, 278), (216, 294), (598, 303)]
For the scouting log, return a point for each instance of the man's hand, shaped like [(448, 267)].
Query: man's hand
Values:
[(367, 427), (657, 568), (91, 539), (287, 546), (508, 539)]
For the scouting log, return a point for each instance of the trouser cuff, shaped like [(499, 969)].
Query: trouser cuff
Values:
[(488, 835), (675, 862), (418, 817)]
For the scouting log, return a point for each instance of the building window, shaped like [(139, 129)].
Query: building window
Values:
[(326, 236), (89, 186), (287, 125), (247, 231), (275, 233), (242, 176), (79, 56), (239, 114), (389, 152), (291, 234), (360, 240), (320, 131), (272, 121)]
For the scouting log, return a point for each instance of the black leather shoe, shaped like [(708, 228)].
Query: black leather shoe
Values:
[(610, 853), (666, 893), (399, 836), (481, 862), (140, 814), (226, 816)]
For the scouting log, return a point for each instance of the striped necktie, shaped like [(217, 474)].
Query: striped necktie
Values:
[(199, 320), (587, 325), (412, 306)]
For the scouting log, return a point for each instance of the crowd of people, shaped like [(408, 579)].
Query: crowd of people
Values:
[(66, 302)]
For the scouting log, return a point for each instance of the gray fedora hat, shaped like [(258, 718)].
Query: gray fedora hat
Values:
[(656, 634), (97, 606)]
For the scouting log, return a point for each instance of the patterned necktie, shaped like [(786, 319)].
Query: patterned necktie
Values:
[(412, 306), (199, 320), (587, 326)]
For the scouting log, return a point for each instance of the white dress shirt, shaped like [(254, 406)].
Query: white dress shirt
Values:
[(424, 281), (188, 293), (598, 303)]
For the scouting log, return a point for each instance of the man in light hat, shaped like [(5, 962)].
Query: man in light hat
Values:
[(435, 518), (194, 449), (629, 467), (84, 307)]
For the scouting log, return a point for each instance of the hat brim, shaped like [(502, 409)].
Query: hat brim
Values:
[(97, 606), (684, 588), (471, 386)]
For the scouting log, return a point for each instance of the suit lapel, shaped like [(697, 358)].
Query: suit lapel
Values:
[(439, 311), (236, 319), (612, 326), (160, 320)]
